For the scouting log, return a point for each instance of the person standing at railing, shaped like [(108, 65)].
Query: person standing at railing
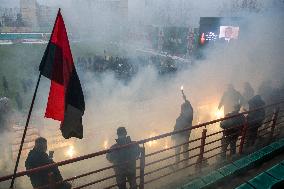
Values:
[(255, 119), (182, 122), (232, 129), (248, 93), (230, 97), (125, 159), (38, 157)]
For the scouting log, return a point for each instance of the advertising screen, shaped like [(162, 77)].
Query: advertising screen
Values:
[(229, 32)]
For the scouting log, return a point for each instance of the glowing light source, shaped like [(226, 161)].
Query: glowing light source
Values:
[(70, 152), (181, 88), (105, 144), (166, 145), (153, 142), (219, 114), (202, 39)]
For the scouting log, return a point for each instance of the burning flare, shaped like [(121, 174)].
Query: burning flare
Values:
[(105, 144), (219, 113), (181, 88), (70, 152), (153, 142)]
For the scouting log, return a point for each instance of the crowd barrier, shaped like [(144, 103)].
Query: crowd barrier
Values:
[(150, 167)]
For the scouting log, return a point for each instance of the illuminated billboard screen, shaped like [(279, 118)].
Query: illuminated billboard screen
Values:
[(229, 32), (218, 30)]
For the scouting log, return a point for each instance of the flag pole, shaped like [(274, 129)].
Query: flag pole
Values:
[(28, 119), (25, 132)]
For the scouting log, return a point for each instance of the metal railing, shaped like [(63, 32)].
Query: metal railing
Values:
[(160, 164)]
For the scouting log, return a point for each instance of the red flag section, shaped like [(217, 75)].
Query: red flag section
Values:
[(66, 100), (62, 68)]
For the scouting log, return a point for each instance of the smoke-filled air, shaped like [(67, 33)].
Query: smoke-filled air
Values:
[(139, 62)]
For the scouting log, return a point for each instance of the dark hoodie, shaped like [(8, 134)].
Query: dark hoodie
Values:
[(233, 125), (128, 154), (255, 118), (37, 158), (184, 120)]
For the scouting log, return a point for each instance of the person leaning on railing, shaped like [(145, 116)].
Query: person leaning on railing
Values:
[(232, 129), (38, 157), (124, 159), (230, 97)]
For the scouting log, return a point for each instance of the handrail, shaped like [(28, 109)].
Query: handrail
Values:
[(169, 148), (73, 160)]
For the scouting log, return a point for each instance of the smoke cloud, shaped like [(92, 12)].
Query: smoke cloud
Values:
[(149, 104)]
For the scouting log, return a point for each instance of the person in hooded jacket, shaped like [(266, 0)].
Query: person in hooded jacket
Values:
[(38, 157), (182, 122), (232, 129), (248, 93), (230, 97), (125, 159), (255, 119)]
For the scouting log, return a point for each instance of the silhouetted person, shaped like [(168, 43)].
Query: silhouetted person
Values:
[(230, 97), (183, 121), (232, 129), (265, 90), (247, 94), (254, 119), (19, 101), (24, 85), (38, 157), (5, 84), (5, 113), (125, 158)]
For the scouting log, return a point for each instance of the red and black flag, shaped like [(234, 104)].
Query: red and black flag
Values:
[(66, 100)]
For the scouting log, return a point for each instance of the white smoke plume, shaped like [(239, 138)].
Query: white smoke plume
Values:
[(149, 104)]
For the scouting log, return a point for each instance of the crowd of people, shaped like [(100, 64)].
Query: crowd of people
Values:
[(124, 68), (125, 158), (232, 100), (16, 96)]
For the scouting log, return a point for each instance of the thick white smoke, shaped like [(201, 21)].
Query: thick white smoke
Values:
[(149, 104)]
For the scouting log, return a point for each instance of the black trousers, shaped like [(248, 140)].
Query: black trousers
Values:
[(251, 134), (183, 147), (226, 141), (123, 176)]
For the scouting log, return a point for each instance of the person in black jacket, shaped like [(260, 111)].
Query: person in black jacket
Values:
[(255, 119), (125, 159), (232, 129), (38, 157), (182, 122), (230, 97)]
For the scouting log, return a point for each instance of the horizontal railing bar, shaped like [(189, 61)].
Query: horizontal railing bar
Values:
[(263, 134), (213, 141), (167, 166), (214, 133), (212, 149), (163, 159), (154, 153), (95, 182), (185, 167), (213, 155)]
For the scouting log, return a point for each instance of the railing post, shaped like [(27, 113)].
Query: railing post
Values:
[(142, 167), (51, 182), (201, 154), (243, 136), (274, 120)]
